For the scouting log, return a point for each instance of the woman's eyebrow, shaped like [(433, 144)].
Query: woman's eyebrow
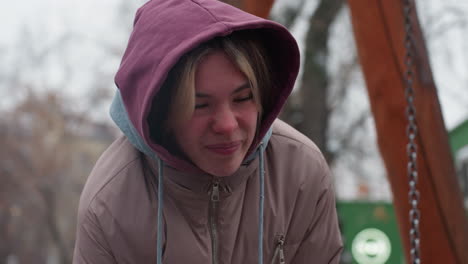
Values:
[(242, 87), (238, 89)]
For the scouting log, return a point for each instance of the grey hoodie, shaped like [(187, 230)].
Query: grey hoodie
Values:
[(279, 205)]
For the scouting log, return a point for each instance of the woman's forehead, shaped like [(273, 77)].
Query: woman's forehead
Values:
[(216, 73), (245, 86)]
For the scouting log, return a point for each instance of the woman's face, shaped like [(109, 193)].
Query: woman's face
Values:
[(219, 133)]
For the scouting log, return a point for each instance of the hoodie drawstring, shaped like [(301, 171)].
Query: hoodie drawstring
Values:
[(160, 207), (261, 201)]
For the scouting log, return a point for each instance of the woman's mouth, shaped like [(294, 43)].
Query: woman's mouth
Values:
[(227, 148)]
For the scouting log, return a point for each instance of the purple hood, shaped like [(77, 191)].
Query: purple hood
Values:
[(164, 31)]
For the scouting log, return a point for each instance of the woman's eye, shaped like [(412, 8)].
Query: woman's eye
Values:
[(199, 106), (245, 98)]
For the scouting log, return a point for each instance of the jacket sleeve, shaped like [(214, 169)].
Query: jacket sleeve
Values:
[(91, 246), (322, 242)]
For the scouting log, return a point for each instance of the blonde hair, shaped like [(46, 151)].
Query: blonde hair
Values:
[(177, 94)]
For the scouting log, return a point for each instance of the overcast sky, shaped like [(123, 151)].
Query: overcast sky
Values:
[(51, 19)]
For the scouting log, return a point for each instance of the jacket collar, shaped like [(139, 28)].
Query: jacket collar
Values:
[(201, 183)]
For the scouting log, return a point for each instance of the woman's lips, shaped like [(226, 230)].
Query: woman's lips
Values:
[(224, 148)]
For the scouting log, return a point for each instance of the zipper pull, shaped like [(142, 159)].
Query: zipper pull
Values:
[(281, 256), (215, 191), (281, 250)]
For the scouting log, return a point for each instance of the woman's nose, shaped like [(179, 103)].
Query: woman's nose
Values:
[(225, 121)]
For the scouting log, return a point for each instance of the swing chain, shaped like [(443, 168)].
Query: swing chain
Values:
[(414, 213)]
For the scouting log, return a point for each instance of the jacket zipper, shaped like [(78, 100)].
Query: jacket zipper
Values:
[(279, 251), (214, 206)]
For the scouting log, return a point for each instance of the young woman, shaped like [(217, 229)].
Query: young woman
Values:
[(205, 172)]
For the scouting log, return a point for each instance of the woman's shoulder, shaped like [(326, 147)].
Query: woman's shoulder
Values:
[(110, 175), (289, 138), (299, 180), (297, 156), (114, 207)]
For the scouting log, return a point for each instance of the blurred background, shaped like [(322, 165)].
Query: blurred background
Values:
[(57, 63)]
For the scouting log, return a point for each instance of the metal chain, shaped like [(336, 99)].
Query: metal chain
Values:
[(411, 130)]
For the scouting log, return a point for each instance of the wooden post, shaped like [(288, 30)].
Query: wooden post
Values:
[(379, 33), (259, 8)]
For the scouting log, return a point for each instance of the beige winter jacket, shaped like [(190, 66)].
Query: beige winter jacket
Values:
[(117, 217)]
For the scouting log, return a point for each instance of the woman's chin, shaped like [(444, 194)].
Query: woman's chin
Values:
[(222, 171), (219, 166)]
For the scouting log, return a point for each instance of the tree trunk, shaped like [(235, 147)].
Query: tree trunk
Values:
[(5, 248), (52, 224), (315, 82)]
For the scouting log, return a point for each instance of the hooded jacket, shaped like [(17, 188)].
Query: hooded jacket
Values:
[(278, 207)]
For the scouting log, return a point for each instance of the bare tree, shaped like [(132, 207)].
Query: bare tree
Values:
[(48, 149), (309, 111)]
